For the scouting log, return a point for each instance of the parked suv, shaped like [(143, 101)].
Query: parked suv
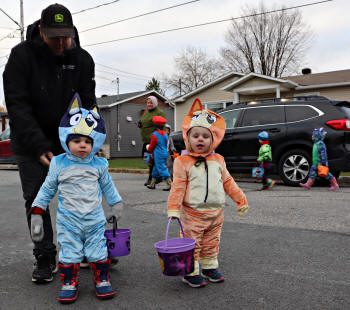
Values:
[(289, 123)]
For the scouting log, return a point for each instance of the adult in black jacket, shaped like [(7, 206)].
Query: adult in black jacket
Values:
[(40, 78)]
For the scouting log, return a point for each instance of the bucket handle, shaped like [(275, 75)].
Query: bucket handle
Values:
[(167, 230), (113, 220)]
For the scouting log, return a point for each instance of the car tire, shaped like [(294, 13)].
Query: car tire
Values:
[(294, 166)]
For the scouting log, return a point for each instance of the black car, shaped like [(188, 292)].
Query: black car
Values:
[(290, 123)]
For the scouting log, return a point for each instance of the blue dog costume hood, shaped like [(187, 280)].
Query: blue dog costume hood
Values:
[(79, 121)]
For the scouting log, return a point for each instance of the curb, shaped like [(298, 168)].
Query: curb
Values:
[(343, 180), (127, 170)]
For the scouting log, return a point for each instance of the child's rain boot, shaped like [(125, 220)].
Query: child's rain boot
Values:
[(268, 185), (152, 184), (103, 287), (271, 183), (70, 283), (168, 185), (308, 183), (334, 184)]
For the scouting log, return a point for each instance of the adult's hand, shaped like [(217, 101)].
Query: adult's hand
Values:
[(46, 158)]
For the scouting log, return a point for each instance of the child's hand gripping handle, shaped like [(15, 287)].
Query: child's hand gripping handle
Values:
[(115, 211)]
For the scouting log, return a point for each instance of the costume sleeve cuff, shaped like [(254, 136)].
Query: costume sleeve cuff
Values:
[(174, 214), (245, 206), (37, 210)]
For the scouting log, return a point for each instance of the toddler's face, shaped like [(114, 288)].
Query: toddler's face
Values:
[(80, 146), (200, 139)]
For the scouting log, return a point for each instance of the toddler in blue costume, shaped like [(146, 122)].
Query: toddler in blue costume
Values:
[(81, 179), (159, 148), (319, 156), (264, 159)]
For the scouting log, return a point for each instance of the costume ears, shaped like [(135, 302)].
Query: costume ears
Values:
[(75, 104), (196, 106)]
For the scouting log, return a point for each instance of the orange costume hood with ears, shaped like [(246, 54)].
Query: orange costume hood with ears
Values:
[(199, 117)]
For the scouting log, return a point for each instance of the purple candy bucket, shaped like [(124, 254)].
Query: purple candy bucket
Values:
[(118, 240), (176, 255)]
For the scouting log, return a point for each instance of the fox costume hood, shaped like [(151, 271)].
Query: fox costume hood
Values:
[(199, 117)]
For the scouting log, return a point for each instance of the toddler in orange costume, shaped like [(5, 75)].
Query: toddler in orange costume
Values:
[(197, 195)]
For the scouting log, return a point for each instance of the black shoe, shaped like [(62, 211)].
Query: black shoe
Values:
[(114, 261), (53, 264), (43, 269)]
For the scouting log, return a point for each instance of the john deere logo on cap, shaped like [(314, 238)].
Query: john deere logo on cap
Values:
[(58, 18)]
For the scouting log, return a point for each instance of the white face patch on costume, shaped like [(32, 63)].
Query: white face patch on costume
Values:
[(202, 119)]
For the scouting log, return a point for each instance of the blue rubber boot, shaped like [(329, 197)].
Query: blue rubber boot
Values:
[(103, 286), (70, 283)]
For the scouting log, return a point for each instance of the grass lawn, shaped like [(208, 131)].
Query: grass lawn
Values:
[(127, 163)]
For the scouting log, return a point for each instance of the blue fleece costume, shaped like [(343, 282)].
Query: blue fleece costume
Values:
[(80, 184), (160, 154), (319, 153)]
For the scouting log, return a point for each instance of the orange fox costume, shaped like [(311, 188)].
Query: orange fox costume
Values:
[(200, 182)]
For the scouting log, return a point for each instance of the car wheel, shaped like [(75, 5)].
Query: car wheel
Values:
[(294, 166)]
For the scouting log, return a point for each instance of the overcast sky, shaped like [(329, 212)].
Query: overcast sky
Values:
[(136, 60)]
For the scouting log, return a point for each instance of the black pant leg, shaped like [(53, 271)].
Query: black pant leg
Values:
[(32, 175)]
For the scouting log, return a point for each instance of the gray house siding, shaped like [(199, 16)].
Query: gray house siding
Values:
[(130, 143), (123, 135)]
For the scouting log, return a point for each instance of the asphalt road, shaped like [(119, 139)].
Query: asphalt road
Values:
[(291, 251)]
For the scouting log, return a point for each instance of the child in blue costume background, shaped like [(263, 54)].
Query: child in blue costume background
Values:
[(159, 148), (264, 159), (81, 179), (319, 157)]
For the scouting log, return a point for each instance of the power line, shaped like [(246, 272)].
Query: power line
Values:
[(104, 78), (8, 36), (95, 7), (140, 15), (137, 76), (7, 28), (207, 23), (108, 67)]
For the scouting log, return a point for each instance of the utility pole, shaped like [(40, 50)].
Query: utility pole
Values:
[(21, 24), (21, 27), (180, 86), (117, 80)]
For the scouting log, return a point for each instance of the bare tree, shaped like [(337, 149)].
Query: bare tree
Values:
[(193, 69), (272, 44)]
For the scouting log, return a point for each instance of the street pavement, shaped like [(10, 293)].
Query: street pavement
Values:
[(291, 251)]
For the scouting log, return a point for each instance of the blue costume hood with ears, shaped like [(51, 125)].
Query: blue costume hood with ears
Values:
[(318, 134), (79, 121)]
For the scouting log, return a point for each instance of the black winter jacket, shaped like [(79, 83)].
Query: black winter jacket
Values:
[(38, 88)]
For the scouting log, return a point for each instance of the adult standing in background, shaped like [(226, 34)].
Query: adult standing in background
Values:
[(40, 77), (147, 127)]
